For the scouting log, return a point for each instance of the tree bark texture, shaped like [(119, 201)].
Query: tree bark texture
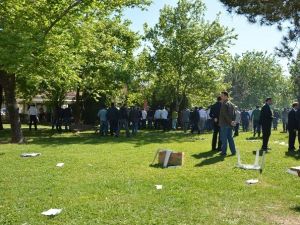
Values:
[(8, 82)]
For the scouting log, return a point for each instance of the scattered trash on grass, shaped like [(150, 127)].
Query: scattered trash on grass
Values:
[(52, 212), (158, 186), (252, 181), (30, 154), (60, 164)]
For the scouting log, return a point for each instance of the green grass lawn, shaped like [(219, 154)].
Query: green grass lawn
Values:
[(109, 180)]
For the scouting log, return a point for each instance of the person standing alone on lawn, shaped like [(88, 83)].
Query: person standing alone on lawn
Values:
[(226, 123), (266, 117)]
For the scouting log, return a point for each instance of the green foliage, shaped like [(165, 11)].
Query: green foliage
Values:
[(187, 53), (295, 76), (46, 43), (284, 13), (253, 77)]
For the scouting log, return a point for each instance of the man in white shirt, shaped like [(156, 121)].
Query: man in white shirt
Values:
[(144, 118), (157, 118), (164, 118), (202, 120), (32, 112)]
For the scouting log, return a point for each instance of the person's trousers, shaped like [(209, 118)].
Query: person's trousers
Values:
[(266, 130), (284, 124), (236, 129), (201, 124), (123, 124), (103, 128), (256, 128), (174, 124), (32, 119), (113, 127), (164, 124), (245, 125), (186, 126), (292, 139), (226, 136), (216, 136), (135, 127)]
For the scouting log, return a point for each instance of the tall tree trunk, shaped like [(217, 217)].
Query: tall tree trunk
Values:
[(1, 101), (9, 84)]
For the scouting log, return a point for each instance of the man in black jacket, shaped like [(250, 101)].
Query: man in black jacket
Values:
[(113, 119), (214, 114), (266, 117), (124, 120), (292, 127)]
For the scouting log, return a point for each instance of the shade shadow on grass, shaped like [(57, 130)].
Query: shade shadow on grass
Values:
[(209, 158), (296, 208), (47, 137)]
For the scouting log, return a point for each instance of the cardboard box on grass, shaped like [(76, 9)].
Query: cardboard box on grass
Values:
[(176, 158)]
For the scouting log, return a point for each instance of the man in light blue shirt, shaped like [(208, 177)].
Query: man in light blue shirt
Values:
[(102, 114)]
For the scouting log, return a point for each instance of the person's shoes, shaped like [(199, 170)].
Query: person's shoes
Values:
[(214, 149), (223, 154), (291, 149)]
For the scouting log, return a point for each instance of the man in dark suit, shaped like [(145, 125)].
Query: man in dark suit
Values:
[(214, 114), (292, 126), (266, 117)]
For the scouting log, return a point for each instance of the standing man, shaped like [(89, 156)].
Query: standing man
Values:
[(123, 120), (157, 118), (174, 119), (33, 113), (226, 123), (164, 119), (266, 117), (185, 119), (255, 117), (113, 119), (102, 114), (144, 119), (284, 117), (214, 114), (245, 120), (67, 114), (292, 127), (237, 121), (194, 120), (202, 119), (134, 117)]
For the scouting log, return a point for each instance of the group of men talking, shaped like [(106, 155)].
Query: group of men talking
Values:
[(223, 113)]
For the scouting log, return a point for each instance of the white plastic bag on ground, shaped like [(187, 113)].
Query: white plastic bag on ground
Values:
[(30, 154), (60, 164), (52, 212), (252, 181), (158, 186)]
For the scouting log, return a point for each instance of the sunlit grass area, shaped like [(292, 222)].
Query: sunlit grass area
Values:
[(107, 180)]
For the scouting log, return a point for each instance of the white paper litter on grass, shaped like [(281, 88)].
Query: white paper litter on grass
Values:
[(293, 172), (158, 186), (252, 181), (60, 164), (52, 212), (30, 154), (282, 143)]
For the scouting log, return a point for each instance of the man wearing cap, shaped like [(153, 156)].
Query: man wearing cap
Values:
[(266, 117)]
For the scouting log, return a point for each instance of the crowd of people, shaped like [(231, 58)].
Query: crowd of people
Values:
[(223, 118)]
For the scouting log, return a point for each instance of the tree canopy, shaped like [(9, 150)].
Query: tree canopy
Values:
[(283, 13)]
